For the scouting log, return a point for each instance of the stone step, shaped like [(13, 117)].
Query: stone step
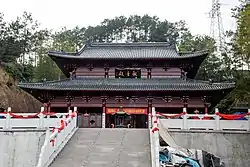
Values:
[(106, 148)]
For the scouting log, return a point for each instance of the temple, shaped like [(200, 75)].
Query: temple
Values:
[(117, 84)]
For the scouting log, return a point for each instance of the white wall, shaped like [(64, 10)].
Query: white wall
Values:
[(232, 147), (20, 148)]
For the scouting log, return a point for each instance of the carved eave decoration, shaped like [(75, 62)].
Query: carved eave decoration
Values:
[(90, 67), (86, 99), (70, 66), (134, 98), (70, 98), (51, 97), (166, 67), (41, 97), (119, 98), (183, 66), (149, 66), (106, 67), (104, 99), (46, 97), (186, 67), (150, 99), (206, 100), (185, 100), (167, 99)]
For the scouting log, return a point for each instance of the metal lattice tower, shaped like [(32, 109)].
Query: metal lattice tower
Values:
[(216, 29)]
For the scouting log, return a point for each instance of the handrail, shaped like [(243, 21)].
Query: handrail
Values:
[(56, 138), (215, 121), (154, 139), (41, 119)]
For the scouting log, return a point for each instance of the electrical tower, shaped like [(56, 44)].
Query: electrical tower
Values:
[(216, 29)]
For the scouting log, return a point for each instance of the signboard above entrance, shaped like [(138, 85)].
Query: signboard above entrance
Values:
[(126, 111)]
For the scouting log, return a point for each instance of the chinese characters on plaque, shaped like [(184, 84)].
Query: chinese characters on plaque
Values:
[(127, 73)]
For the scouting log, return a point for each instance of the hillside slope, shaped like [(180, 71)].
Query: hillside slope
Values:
[(12, 96)]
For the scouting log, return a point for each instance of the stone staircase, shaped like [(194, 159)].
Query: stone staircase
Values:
[(106, 148)]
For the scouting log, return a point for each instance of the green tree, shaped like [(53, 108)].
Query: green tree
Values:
[(66, 40), (242, 44), (19, 38), (211, 68), (241, 55)]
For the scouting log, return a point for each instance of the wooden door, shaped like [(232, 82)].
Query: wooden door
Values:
[(92, 120)]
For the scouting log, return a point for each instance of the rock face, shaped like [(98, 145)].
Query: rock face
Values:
[(14, 97)]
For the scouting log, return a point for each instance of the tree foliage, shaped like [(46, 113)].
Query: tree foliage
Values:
[(242, 37), (18, 38), (240, 49), (134, 29)]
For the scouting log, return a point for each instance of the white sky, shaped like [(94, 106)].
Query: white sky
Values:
[(54, 14)]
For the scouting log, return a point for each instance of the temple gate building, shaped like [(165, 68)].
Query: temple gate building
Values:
[(119, 83)]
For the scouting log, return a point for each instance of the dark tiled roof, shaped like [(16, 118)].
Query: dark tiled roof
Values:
[(158, 50), (123, 84), (193, 54)]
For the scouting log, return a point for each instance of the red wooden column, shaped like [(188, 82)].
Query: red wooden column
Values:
[(106, 70), (185, 101), (104, 100), (68, 106), (45, 105), (149, 70), (69, 98), (49, 106), (205, 99)]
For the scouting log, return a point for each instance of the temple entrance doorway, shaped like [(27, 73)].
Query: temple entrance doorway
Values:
[(126, 118), (89, 117)]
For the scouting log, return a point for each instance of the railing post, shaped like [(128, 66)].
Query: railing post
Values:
[(248, 119), (185, 123), (7, 120), (75, 109), (43, 149), (153, 116), (149, 120), (70, 113), (217, 119), (41, 118), (74, 120), (155, 137), (103, 118)]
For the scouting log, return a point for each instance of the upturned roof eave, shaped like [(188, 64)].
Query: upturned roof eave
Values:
[(42, 86), (77, 56), (122, 90)]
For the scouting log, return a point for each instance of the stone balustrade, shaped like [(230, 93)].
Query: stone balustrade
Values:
[(59, 127), (215, 121), (57, 138), (42, 119)]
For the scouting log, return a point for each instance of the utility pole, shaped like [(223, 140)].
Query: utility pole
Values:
[(216, 27)]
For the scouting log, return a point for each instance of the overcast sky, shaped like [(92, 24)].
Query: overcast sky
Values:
[(54, 14)]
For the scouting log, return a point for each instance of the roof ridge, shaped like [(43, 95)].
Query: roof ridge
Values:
[(134, 44)]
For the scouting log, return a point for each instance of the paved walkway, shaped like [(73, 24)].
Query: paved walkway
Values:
[(106, 148)]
